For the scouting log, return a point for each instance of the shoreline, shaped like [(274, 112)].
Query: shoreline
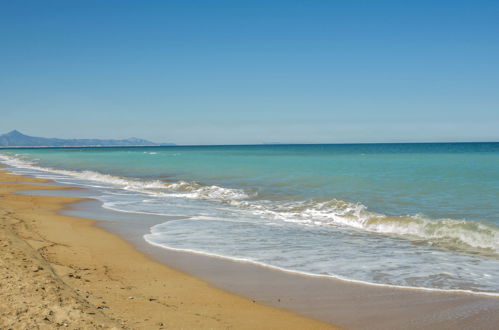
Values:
[(346, 304), (334, 301), (96, 279), (331, 277)]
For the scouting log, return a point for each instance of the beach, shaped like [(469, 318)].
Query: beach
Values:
[(410, 216), (72, 273), (249, 165), (183, 238), (60, 271)]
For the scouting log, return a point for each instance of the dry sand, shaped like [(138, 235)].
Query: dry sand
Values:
[(60, 271)]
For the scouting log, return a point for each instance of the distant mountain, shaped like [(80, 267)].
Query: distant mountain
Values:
[(18, 139)]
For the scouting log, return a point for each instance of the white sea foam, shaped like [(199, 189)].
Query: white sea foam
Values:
[(455, 234), (185, 189), (150, 238), (219, 203)]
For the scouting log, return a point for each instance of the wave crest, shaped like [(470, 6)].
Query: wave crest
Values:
[(463, 235), (468, 236), (185, 189)]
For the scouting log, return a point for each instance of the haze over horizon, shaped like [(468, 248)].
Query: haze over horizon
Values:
[(17, 137), (225, 72)]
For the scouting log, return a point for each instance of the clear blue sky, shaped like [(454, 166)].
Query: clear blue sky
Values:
[(228, 72)]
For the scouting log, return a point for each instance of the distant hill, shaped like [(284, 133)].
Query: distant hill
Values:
[(18, 139)]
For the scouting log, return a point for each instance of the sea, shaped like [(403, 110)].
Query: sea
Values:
[(411, 215)]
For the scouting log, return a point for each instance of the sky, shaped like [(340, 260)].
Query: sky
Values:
[(244, 72)]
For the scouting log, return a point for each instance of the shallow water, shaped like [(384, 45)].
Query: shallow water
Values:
[(418, 215)]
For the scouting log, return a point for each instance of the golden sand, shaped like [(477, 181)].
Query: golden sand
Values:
[(60, 271)]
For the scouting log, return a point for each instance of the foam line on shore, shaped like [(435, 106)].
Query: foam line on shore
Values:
[(333, 277), (455, 234)]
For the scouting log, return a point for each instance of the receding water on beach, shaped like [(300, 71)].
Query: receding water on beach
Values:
[(413, 215)]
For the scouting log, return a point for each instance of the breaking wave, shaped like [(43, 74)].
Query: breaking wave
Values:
[(464, 235), (459, 235), (154, 187)]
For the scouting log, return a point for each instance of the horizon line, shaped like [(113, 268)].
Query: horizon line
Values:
[(243, 144)]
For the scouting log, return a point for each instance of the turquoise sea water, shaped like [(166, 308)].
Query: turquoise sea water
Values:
[(417, 215)]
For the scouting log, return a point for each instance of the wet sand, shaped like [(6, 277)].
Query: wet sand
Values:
[(346, 304), (60, 271)]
